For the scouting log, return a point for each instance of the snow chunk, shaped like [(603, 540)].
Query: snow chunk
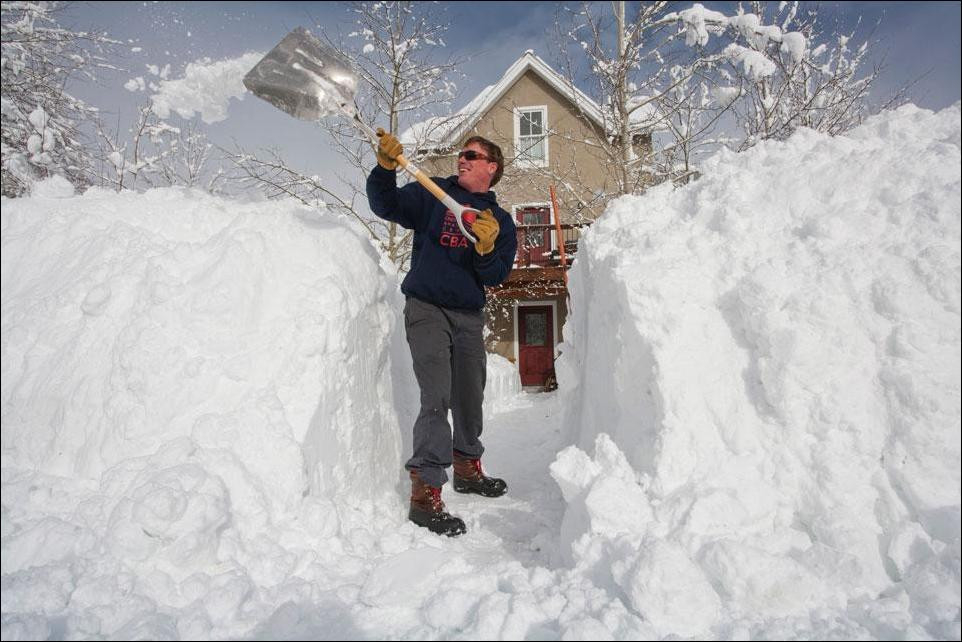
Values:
[(175, 513), (38, 118), (750, 27), (135, 84), (604, 496), (795, 44), (34, 144), (95, 301), (656, 577), (205, 89), (54, 187), (698, 22), (607, 525), (756, 64), (116, 159), (724, 96)]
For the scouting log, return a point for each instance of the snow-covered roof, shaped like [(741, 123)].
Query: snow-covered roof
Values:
[(444, 131)]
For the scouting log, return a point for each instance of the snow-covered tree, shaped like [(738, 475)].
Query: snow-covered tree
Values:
[(701, 78), (396, 48), (630, 60), (779, 69), (794, 73), (156, 154), (41, 120), (403, 75), (690, 113)]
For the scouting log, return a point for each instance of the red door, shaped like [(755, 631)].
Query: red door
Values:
[(535, 344), (534, 242)]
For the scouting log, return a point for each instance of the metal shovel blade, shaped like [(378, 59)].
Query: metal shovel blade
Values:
[(310, 81), (303, 77)]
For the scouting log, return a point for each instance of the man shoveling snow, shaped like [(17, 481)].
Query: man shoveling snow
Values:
[(443, 317)]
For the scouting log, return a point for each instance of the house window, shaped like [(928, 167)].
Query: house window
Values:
[(530, 140), (536, 330), (534, 238)]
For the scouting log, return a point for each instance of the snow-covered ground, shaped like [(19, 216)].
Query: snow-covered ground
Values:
[(206, 404)]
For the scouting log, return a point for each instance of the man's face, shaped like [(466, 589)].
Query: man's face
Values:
[(475, 175)]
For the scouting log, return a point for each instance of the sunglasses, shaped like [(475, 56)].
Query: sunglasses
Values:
[(471, 155)]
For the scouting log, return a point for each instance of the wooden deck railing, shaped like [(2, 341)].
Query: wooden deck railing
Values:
[(538, 245)]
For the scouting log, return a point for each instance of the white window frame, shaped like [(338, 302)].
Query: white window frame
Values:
[(525, 162)]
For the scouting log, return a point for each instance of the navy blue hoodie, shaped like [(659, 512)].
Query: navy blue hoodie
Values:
[(445, 268)]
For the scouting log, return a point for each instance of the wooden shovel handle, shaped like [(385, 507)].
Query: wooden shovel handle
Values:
[(425, 180)]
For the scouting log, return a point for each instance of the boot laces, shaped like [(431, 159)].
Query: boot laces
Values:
[(468, 468), (436, 504)]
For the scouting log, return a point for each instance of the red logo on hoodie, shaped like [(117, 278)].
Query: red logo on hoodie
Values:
[(451, 235)]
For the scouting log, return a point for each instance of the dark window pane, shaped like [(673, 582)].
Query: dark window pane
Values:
[(536, 123), (535, 329)]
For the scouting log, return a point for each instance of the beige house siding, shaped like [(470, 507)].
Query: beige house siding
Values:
[(571, 161), (576, 166), (500, 321)]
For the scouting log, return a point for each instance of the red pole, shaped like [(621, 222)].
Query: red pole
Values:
[(557, 228)]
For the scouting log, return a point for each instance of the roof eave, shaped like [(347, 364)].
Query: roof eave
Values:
[(582, 102)]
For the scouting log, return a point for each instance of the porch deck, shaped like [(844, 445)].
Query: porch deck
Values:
[(538, 270)]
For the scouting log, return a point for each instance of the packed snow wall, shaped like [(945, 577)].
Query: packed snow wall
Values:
[(765, 365), (252, 339)]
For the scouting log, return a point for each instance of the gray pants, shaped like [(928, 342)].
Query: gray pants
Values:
[(450, 365)]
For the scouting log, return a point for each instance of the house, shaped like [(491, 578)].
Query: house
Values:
[(549, 132)]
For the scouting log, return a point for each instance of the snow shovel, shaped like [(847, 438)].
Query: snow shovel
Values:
[(310, 81)]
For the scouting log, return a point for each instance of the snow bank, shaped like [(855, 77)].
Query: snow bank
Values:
[(503, 382), (132, 320), (204, 405), (187, 381), (765, 365)]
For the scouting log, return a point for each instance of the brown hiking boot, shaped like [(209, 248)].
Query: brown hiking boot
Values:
[(427, 509), (469, 478)]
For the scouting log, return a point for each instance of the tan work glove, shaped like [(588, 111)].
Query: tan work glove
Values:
[(388, 149), (486, 230)]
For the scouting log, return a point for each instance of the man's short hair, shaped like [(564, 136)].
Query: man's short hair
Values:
[(493, 152)]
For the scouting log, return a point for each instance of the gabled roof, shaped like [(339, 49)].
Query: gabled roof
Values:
[(445, 131)]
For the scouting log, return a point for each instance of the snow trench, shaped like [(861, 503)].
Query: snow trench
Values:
[(207, 404)]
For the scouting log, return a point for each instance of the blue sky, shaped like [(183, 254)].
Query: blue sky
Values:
[(920, 40)]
